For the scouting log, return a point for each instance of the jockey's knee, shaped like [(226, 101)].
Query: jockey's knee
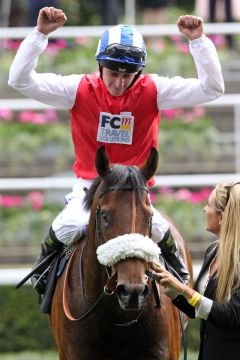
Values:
[(69, 229), (160, 226), (71, 224), (68, 234)]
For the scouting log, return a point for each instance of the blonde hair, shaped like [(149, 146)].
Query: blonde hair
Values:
[(228, 274)]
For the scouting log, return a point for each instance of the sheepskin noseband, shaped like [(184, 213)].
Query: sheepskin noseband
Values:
[(127, 246)]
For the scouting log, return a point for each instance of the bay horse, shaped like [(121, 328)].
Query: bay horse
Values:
[(105, 309)]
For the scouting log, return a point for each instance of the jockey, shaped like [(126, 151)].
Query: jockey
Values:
[(118, 107)]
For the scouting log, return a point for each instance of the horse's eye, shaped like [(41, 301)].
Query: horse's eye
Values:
[(105, 217)]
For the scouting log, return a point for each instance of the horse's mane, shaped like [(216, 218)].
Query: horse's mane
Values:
[(120, 176)]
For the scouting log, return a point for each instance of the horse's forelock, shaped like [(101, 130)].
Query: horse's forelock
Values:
[(120, 176), (125, 176)]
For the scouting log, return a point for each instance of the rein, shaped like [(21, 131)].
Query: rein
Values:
[(109, 288), (89, 311)]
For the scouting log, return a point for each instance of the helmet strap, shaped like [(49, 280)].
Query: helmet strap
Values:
[(135, 78)]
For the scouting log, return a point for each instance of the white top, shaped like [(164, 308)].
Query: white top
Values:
[(60, 91)]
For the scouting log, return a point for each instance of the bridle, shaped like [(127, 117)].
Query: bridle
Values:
[(133, 226), (109, 288)]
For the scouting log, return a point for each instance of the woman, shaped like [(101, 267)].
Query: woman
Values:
[(219, 279)]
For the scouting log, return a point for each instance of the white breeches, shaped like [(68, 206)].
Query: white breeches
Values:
[(72, 221)]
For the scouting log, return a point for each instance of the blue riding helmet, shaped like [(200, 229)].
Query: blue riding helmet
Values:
[(122, 48)]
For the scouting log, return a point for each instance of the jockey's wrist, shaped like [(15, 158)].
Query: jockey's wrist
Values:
[(197, 40)]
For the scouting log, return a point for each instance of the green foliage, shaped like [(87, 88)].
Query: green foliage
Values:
[(193, 334), (25, 144), (79, 12), (188, 141), (25, 227), (168, 61), (187, 216), (22, 326), (30, 355), (76, 58)]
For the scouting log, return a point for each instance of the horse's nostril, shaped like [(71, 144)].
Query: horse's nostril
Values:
[(123, 293)]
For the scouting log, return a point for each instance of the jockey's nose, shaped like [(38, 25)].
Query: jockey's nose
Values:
[(119, 81), (132, 297)]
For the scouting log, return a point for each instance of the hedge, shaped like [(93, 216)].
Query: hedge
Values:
[(22, 325), (24, 328)]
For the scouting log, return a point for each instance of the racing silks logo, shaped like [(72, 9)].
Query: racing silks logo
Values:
[(116, 129)]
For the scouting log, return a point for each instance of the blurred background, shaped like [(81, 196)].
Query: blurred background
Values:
[(198, 146)]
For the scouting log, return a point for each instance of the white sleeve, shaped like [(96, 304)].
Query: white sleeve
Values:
[(56, 90), (204, 308), (179, 92)]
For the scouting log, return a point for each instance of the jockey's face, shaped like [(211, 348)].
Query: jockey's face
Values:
[(116, 82)]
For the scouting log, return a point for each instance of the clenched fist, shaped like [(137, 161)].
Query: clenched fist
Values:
[(50, 19), (190, 26)]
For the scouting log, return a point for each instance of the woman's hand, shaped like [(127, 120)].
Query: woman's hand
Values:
[(166, 279)]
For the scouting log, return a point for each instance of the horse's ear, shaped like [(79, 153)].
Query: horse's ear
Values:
[(102, 162), (150, 167)]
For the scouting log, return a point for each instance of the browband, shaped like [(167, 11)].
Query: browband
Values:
[(127, 187)]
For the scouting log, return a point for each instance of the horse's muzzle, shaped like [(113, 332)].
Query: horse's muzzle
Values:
[(132, 297)]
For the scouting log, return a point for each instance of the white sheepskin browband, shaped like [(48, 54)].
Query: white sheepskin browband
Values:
[(127, 246)]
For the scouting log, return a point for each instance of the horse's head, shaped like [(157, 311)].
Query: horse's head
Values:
[(123, 223)]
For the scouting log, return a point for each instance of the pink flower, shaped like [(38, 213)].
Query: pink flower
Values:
[(11, 44), (199, 111), (183, 48), (153, 197), (25, 116), (183, 195), (39, 118), (176, 38), (51, 116), (218, 40), (200, 196), (82, 40), (32, 117), (189, 117), (171, 114), (6, 114), (8, 201), (188, 195), (36, 199), (61, 43), (166, 191)]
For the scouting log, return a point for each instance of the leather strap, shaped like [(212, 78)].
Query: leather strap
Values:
[(133, 213)]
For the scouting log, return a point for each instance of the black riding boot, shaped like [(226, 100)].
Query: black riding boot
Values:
[(48, 246), (172, 255)]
